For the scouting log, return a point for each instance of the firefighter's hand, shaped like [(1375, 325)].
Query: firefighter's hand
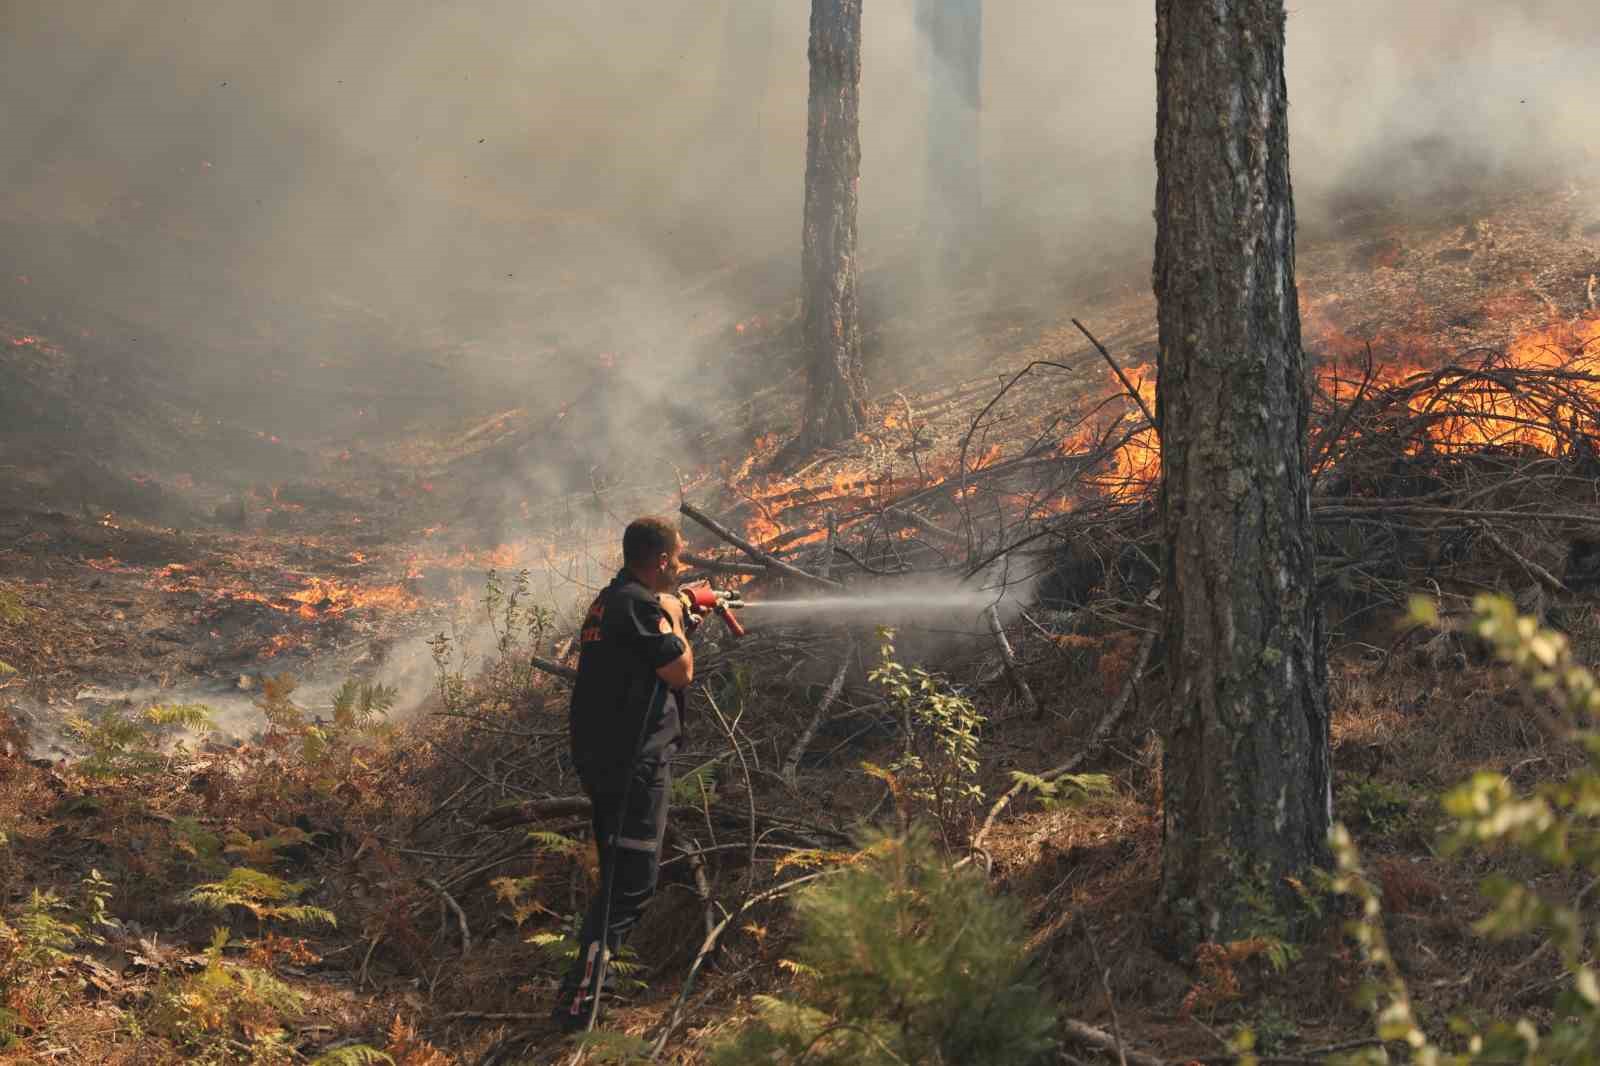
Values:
[(693, 612)]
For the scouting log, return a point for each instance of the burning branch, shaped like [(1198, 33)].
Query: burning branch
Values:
[(772, 562)]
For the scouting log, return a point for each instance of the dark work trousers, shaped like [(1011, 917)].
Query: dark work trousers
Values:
[(639, 830)]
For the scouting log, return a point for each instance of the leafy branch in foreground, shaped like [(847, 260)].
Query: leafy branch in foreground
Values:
[(942, 727), (1553, 825), (902, 959)]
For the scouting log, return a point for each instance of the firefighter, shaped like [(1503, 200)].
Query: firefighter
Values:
[(634, 664)]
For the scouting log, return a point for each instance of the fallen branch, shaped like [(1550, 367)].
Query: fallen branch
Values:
[(461, 915), (791, 765), (1084, 1033), (1537, 572), (1111, 1001), (772, 562), (706, 947), (1008, 658), (1149, 415), (916, 521), (555, 669), (509, 814), (721, 566)]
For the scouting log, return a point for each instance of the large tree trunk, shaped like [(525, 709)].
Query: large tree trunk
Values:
[(1246, 771), (832, 336), (953, 210)]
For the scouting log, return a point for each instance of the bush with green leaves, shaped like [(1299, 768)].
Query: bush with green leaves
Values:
[(1554, 825), (902, 958), (942, 728)]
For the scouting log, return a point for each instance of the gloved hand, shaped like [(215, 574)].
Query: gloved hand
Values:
[(693, 614)]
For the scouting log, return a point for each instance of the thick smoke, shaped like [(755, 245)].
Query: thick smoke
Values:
[(478, 205), (479, 191), (273, 206)]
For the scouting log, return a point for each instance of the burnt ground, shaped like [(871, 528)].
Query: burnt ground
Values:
[(161, 552)]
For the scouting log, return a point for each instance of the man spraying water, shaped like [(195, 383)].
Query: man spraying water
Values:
[(626, 722)]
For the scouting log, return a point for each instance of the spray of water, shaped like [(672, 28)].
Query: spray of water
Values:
[(958, 600)]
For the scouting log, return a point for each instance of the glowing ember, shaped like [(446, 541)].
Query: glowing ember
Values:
[(278, 644)]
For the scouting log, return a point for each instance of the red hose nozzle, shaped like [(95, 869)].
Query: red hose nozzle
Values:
[(703, 598)]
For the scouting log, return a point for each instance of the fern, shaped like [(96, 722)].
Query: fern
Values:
[(213, 1012), (605, 1046), (554, 843), (358, 705), (192, 716), (264, 896), (697, 786), (12, 613), (353, 1055), (264, 850), (1068, 788), (118, 743)]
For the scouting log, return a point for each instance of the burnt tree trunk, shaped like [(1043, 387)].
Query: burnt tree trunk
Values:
[(835, 402), (953, 210), (1246, 770)]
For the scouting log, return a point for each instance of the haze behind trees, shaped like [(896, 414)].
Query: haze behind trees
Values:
[(501, 187)]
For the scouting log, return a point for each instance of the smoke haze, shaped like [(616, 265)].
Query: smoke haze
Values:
[(475, 193)]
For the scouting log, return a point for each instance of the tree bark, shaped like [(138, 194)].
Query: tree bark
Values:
[(835, 395), (953, 211), (1246, 769)]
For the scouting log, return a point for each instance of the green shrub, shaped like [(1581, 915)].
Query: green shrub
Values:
[(902, 959), (939, 767)]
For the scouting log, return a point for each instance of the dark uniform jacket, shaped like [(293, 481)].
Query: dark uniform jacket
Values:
[(620, 709)]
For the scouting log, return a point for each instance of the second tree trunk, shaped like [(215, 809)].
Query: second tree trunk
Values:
[(835, 395)]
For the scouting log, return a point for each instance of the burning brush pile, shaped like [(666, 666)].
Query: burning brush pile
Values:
[(1424, 469)]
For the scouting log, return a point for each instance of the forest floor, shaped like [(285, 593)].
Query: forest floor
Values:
[(150, 556)]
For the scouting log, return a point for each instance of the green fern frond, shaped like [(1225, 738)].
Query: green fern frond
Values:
[(11, 610), (262, 895), (353, 1055), (195, 716), (305, 914), (554, 843), (606, 1046)]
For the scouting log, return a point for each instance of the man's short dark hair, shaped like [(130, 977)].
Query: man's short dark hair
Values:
[(647, 537)]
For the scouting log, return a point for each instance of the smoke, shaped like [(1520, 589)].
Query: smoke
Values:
[(279, 211), (498, 184)]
